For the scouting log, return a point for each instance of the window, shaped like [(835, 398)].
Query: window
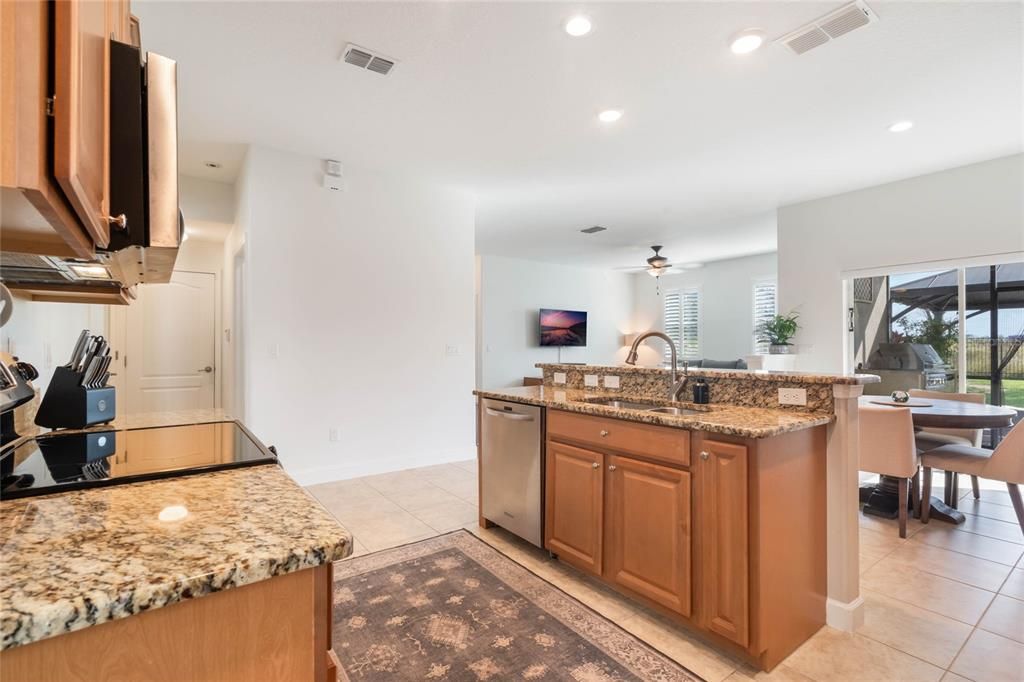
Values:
[(765, 307), (682, 322)]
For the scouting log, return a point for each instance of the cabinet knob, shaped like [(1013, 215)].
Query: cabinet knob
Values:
[(604, 434), (595, 465), (611, 467), (121, 221), (704, 455)]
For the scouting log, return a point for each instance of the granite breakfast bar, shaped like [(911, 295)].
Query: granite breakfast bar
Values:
[(221, 575), (747, 506)]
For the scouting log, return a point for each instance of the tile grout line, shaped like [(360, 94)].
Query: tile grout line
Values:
[(978, 625), (973, 556)]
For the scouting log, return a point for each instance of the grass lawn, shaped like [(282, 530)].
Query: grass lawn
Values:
[(1013, 390)]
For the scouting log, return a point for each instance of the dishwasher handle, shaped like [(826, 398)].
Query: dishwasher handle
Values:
[(514, 416)]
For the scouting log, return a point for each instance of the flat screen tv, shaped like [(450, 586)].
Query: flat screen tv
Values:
[(563, 327)]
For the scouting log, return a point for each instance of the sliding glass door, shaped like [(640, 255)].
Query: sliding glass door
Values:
[(956, 329), (994, 333)]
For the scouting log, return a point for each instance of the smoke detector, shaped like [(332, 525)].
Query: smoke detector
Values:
[(829, 27), (367, 59)]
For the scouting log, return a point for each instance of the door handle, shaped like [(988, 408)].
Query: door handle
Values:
[(514, 416), (595, 465), (604, 434), (611, 467), (704, 455), (206, 369)]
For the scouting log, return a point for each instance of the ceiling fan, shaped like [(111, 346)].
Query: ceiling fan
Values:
[(657, 265)]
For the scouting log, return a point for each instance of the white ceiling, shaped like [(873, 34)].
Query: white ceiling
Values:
[(495, 97)]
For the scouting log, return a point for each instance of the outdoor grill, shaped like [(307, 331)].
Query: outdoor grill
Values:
[(903, 366)]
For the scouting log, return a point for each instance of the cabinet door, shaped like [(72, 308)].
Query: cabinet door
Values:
[(647, 546), (574, 496), (724, 553), (81, 110)]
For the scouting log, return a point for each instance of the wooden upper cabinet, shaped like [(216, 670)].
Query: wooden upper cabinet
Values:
[(574, 505), (724, 537), (647, 540), (81, 109), (35, 216)]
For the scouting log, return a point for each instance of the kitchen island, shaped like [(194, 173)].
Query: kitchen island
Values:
[(220, 575), (714, 515)]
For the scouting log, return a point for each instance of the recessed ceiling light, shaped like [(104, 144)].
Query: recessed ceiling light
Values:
[(577, 26), (212, 164), (610, 115), (901, 126), (747, 41)]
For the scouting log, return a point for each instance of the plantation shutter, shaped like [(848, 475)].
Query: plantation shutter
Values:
[(682, 322), (765, 307), (690, 348), (673, 320)]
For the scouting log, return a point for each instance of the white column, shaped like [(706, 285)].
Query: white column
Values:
[(844, 607)]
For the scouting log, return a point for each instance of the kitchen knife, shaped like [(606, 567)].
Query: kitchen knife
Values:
[(79, 349), (101, 371), (90, 369), (94, 352), (83, 358)]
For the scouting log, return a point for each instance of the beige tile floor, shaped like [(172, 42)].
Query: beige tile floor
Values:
[(946, 603)]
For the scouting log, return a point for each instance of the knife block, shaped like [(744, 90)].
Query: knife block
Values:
[(69, 405)]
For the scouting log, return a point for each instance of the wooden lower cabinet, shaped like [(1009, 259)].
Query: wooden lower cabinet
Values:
[(647, 531), (275, 629), (728, 541), (574, 503), (725, 559)]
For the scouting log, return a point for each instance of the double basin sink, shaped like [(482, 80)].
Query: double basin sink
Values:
[(643, 406)]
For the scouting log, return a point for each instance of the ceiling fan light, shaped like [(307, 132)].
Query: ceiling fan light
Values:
[(655, 272)]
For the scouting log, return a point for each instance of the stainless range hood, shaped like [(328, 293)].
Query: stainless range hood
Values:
[(143, 185)]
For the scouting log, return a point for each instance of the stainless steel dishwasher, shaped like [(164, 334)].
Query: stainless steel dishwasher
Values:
[(511, 467)]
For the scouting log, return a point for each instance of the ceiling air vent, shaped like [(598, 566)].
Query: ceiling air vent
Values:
[(367, 59), (829, 27), (593, 230)]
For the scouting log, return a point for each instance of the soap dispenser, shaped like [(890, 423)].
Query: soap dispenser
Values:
[(701, 392)]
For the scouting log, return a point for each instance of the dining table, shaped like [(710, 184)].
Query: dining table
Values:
[(882, 498)]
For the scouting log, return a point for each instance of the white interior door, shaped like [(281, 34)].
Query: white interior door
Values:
[(171, 345)]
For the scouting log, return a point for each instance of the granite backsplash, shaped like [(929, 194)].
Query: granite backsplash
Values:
[(728, 387)]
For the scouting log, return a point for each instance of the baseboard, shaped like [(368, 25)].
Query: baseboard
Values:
[(341, 472), (847, 616)]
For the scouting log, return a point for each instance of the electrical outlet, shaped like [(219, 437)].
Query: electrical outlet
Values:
[(590, 380), (452, 349), (792, 396), (275, 350), (560, 378), (611, 382), (333, 435)]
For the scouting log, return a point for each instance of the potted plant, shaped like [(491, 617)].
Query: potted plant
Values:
[(777, 331)]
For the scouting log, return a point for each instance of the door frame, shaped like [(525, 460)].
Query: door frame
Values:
[(117, 336)]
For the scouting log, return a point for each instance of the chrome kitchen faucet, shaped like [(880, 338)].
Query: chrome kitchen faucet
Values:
[(676, 385)]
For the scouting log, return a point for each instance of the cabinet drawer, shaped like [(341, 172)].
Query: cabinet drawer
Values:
[(656, 442)]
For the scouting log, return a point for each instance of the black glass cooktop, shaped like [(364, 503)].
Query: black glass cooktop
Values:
[(67, 461)]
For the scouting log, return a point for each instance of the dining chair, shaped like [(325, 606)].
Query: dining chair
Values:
[(929, 438), (887, 447), (1005, 463)]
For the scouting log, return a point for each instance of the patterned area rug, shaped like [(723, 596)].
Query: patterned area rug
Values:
[(454, 608)]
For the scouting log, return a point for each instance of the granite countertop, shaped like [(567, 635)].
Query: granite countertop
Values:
[(734, 420), (81, 558), (753, 374)]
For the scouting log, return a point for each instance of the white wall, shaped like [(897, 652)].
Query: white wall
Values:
[(352, 298), (727, 304), (967, 212), (511, 293)]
